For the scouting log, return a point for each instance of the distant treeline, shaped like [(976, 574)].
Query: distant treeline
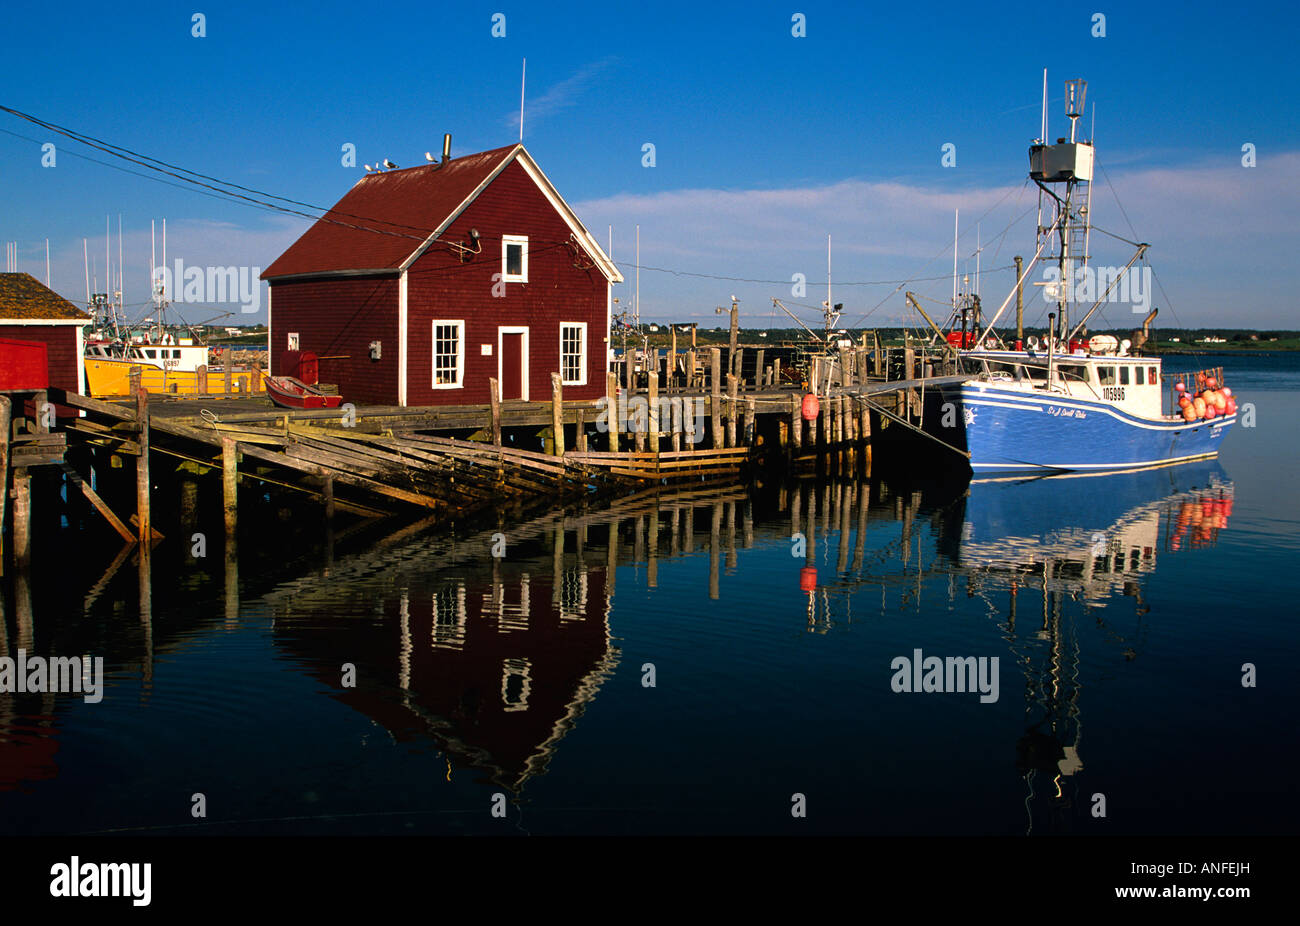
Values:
[(720, 335)]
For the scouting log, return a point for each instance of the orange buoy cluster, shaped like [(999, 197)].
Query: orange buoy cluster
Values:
[(1199, 520), (1210, 400)]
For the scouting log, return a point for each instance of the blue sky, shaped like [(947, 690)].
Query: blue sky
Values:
[(764, 142)]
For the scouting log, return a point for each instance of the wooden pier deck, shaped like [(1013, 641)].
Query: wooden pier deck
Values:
[(451, 461)]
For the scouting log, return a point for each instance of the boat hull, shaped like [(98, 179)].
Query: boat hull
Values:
[(109, 377), (1009, 430), (288, 392)]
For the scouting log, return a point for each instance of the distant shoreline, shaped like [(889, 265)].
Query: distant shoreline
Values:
[(1222, 349)]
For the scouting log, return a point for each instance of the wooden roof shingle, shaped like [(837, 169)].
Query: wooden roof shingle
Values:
[(22, 296)]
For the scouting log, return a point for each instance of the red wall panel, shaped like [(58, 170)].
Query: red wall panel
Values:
[(64, 363), (338, 318), (562, 286)]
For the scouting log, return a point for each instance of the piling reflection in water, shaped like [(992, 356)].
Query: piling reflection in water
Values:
[(492, 645), (1026, 547)]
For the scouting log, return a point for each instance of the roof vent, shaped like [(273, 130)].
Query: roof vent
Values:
[(446, 148)]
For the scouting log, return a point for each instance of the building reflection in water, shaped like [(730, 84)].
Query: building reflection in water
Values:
[(492, 645)]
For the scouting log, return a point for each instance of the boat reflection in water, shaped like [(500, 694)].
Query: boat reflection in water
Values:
[(495, 658), (488, 647), (1088, 537), (1028, 548)]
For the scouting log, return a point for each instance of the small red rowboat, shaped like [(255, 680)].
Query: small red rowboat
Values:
[(288, 392)]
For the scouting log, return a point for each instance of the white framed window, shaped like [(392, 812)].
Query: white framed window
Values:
[(573, 353), (448, 354), (293, 340), (514, 258)]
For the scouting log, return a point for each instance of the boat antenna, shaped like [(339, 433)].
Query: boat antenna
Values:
[(954, 259), (121, 278), (1044, 135), (830, 306)]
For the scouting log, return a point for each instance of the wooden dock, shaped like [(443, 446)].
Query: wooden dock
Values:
[(451, 461)]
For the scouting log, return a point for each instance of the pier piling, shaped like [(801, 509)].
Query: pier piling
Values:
[(144, 523), (229, 487)]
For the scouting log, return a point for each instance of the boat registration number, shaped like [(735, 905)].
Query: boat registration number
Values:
[(1113, 393)]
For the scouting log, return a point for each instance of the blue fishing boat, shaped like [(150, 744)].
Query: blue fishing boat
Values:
[(1070, 402), (1022, 412)]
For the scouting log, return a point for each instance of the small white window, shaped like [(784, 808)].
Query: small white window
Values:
[(573, 353), (293, 340), (514, 258), (448, 354)]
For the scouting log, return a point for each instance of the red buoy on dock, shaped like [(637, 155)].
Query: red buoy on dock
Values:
[(811, 407)]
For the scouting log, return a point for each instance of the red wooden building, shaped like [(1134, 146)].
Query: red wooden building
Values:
[(32, 315), (422, 283)]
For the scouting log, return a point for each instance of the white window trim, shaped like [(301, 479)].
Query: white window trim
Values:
[(582, 363), (460, 354), (521, 277)]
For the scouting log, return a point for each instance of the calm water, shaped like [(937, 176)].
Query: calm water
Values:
[(1121, 610)]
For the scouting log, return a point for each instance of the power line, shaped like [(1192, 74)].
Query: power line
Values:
[(713, 276), (127, 170), (225, 190)]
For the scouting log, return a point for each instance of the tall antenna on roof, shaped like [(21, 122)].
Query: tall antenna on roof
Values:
[(1044, 106), (523, 73)]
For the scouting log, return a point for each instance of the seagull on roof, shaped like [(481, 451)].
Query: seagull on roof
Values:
[(389, 164), (428, 156), (369, 168)]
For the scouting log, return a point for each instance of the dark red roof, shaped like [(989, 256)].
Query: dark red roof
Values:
[(387, 216)]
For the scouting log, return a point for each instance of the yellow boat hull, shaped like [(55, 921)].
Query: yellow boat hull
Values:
[(106, 377)]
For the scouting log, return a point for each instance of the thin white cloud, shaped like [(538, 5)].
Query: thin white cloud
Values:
[(196, 242), (557, 97), (1207, 223)]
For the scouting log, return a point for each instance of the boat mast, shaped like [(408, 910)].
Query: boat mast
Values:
[(830, 306), (120, 310), (1069, 161), (162, 301), (955, 214)]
